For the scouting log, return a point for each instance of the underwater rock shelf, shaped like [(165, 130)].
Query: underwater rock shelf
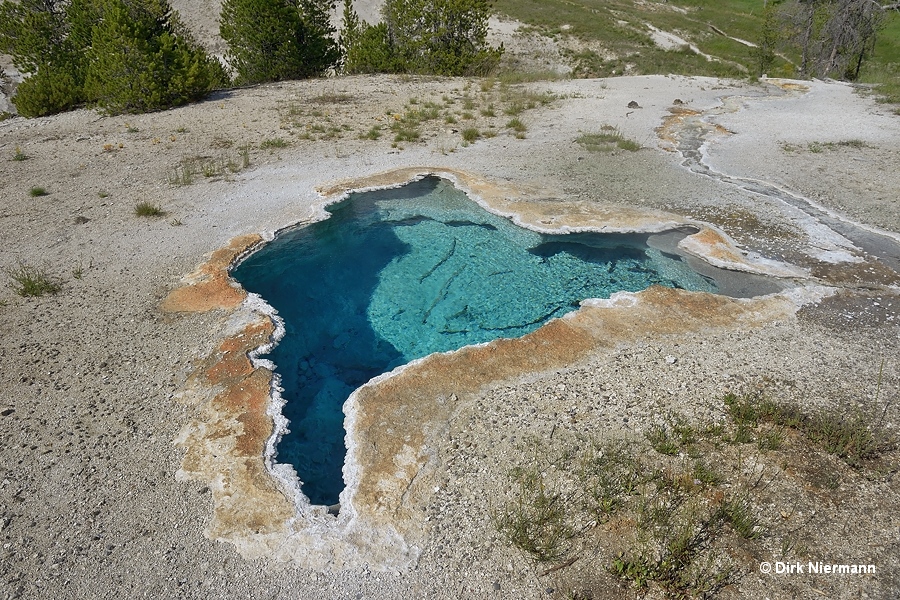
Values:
[(394, 275)]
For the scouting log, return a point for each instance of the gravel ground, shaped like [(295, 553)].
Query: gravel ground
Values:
[(90, 505)]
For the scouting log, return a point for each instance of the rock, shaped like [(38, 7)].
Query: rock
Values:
[(633, 104)]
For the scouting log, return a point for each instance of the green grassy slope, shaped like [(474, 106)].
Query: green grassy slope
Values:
[(612, 37)]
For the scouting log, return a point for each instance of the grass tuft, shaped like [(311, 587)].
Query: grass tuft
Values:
[(37, 191), (148, 209), (536, 521), (31, 281), (853, 438), (373, 134), (608, 139), (517, 125), (272, 143)]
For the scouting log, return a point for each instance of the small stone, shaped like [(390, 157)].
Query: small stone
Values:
[(671, 360), (496, 586)]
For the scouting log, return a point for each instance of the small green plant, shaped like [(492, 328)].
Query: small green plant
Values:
[(18, 155), (244, 152), (672, 437), (488, 111), (37, 191), (102, 194), (517, 125), (853, 438), (609, 476), (373, 134), (738, 512), (772, 439), (131, 128), (148, 209), (183, 174), (470, 134), (78, 272), (273, 143), (536, 521), (705, 474), (405, 133), (31, 281), (209, 169), (607, 140)]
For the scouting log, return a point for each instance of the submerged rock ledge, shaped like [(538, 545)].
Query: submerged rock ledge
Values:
[(396, 422)]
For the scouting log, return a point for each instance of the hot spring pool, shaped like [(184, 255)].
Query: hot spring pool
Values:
[(397, 274)]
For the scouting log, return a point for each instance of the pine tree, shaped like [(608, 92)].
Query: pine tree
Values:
[(39, 36), (142, 59), (365, 48), (274, 40), (443, 37), (320, 51)]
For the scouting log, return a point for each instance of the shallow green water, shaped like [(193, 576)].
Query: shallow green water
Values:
[(398, 274)]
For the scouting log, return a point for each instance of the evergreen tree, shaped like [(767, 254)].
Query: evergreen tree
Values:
[(443, 37), (41, 38), (274, 40), (320, 51), (365, 48), (141, 59), (768, 40)]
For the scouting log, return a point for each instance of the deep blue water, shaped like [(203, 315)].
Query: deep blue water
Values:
[(397, 274)]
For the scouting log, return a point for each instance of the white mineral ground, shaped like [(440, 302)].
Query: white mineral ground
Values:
[(96, 379)]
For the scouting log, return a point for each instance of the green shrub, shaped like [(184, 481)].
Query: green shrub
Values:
[(37, 191), (373, 134), (51, 90)]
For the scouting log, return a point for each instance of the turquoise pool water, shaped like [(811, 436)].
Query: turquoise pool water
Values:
[(397, 274)]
